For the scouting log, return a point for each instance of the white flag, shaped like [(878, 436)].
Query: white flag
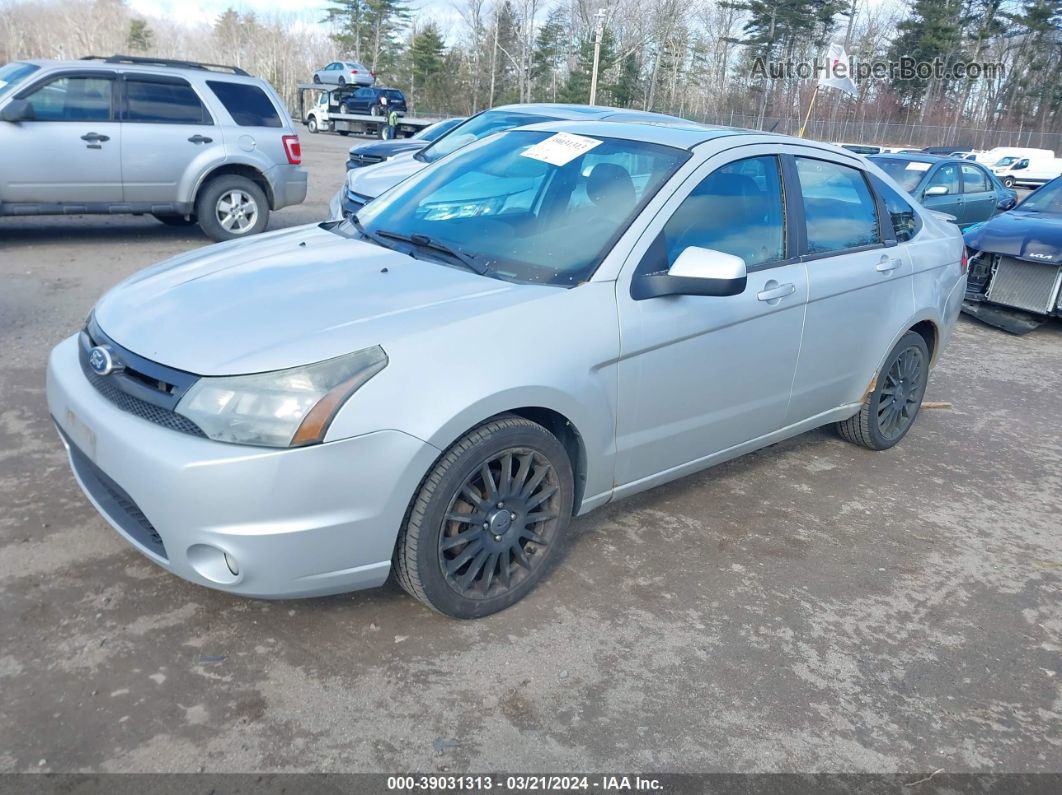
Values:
[(838, 72)]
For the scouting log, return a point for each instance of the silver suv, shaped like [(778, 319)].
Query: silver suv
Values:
[(186, 142)]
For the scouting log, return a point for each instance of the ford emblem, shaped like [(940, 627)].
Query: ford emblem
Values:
[(102, 361)]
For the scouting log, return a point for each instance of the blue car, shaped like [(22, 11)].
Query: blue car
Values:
[(967, 191), (1015, 280)]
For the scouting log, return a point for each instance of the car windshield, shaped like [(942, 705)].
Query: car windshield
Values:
[(14, 73), (906, 173), (526, 206), (1006, 161), (474, 128), (437, 130), (1047, 199)]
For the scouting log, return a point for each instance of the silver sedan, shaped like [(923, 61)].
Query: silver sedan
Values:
[(549, 320), (345, 73)]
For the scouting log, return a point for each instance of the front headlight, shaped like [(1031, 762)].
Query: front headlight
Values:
[(284, 408)]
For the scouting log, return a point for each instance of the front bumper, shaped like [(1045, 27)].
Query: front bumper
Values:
[(297, 522)]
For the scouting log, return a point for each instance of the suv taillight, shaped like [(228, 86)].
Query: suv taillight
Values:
[(964, 263), (293, 149)]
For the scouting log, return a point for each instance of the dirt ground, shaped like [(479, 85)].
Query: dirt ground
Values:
[(810, 607)]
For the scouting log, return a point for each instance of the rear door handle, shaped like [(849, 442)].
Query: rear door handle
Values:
[(887, 264), (200, 139), (776, 292), (93, 137)]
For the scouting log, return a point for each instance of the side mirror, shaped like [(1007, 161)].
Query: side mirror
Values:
[(937, 190), (697, 271), (17, 110)]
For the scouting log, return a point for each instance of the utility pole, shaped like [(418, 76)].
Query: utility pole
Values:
[(597, 53)]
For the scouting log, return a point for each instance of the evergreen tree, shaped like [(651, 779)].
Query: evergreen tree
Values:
[(141, 37), (932, 31), (551, 47), (427, 57), (577, 87), (628, 85)]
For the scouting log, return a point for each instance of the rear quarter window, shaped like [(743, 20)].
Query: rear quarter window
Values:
[(905, 221), (248, 105)]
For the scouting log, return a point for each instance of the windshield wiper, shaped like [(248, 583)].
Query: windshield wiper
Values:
[(423, 241), (365, 233)]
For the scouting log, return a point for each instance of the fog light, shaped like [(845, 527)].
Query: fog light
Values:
[(230, 561)]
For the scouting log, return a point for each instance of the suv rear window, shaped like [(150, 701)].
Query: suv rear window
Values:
[(392, 93), (248, 105), (165, 101)]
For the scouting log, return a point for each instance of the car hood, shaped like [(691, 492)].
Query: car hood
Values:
[(371, 181), (388, 148), (1034, 236), (290, 298)]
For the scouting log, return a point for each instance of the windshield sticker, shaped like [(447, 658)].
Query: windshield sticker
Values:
[(918, 166), (560, 149)]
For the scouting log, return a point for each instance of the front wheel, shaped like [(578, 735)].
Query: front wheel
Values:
[(311, 124), (231, 206), (376, 110), (487, 520), (1008, 182), (889, 411)]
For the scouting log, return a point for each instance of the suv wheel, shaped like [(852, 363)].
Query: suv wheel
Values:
[(311, 124), (231, 206), (889, 411), (487, 520)]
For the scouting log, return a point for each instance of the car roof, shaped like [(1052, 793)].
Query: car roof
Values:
[(923, 157), (149, 68)]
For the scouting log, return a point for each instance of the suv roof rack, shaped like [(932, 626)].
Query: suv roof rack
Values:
[(148, 61)]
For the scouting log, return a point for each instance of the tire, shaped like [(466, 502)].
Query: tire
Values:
[(176, 220), (901, 382), (1008, 182), (311, 124), (342, 81), (317, 78), (375, 110), (477, 583), (210, 210), (343, 132)]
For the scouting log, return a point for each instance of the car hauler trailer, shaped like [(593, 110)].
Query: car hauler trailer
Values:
[(321, 112)]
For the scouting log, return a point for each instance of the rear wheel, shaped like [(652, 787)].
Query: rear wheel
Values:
[(889, 411), (231, 206), (487, 520)]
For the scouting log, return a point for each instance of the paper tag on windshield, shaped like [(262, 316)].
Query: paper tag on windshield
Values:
[(918, 166), (560, 149)]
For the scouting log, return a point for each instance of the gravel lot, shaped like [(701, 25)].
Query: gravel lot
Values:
[(811, 607)]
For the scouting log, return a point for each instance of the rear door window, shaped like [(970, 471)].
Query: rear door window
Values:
[(839, 209), (74, 98), (166, 101), (974, 180), (248, 105)]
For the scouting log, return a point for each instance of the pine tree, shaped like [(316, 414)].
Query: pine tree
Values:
[(550, 51), (427, 57), (141, 37), (577, 87)]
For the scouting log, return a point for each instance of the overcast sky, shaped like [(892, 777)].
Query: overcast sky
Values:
[(194, 12)]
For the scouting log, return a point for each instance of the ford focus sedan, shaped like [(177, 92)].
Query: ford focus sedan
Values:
[(553, 318)]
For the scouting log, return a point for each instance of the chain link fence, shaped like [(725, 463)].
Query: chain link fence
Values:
[(877, 133)]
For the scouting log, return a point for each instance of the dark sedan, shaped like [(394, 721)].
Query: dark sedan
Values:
[(374, 152), (965, 190), (1015, 279)]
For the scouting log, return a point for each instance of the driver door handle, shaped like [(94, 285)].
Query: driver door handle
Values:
[(93, 137), (200, 139), (887, 264), (779, 291)]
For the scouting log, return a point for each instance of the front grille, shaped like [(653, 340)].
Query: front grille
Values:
[(366, 160), (1025, 285), (114, 502), (141, 408), (143, 389)]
